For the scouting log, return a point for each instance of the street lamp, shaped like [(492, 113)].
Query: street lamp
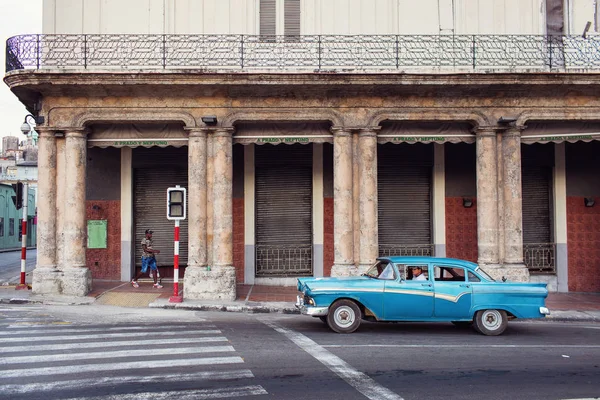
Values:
[(26, 127)]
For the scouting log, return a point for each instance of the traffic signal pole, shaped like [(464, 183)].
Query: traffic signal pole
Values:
[(22, 285), (176, 211), (176, 298)]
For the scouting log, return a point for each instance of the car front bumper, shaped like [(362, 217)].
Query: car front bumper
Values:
[(310, 310)]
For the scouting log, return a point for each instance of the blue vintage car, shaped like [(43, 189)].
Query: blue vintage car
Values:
[(421, 289)]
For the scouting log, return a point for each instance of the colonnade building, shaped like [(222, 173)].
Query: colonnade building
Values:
[(313, 136)]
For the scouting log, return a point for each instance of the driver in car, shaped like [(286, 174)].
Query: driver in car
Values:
[(418, 274)]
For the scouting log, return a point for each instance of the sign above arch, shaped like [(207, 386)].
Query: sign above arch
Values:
[(282, 133), (560, 131), (137, 135), (425, 132)]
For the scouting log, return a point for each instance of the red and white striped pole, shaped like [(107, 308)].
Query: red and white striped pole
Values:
[(176, 298), (22, 285)]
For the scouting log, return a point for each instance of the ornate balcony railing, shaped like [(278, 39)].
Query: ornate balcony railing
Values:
[(312, 53), (283, 260), (540, 257), (386, 250)]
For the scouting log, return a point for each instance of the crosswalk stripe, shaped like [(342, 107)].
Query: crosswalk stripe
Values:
[(145, 365), (104, 344), (187, 394), (106, 336), (20, 359), (60, 329), (122, 380)]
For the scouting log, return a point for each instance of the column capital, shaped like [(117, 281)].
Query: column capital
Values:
[(340, 131), (76, 133), (196, 132), (370, 131), (47, 131), (221, 131), (513, 131), (486, 131)]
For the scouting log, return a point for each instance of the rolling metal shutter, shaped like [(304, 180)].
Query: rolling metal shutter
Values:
[(536, 204), (155, 170), (283, 210), (404, 199)]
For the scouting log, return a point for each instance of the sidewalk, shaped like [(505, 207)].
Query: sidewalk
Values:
[(255, 299)]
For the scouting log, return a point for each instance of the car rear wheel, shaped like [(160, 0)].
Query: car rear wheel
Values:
[(491, 322), (344, 316)]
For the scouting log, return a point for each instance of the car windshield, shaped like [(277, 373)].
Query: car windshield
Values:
[(484, 274), (381, 270)]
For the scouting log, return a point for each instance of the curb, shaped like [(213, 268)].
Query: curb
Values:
[(251, 309), (67, 301)]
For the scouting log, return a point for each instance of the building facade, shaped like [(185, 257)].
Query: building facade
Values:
[(314, 136)]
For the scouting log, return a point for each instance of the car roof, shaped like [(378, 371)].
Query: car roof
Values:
[(426, 259)]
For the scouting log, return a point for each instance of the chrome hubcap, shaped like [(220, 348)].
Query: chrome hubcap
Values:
[(344, 316), (491, 319)]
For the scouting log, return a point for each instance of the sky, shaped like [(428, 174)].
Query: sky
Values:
[(17, 17)]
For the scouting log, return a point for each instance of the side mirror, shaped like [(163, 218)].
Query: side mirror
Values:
[(503, 279)]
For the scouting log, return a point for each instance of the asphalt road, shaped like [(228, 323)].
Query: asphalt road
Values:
[(10, 265), (61, 352)]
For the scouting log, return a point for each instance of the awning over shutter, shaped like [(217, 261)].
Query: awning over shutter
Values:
[(137, 135), (425, 132), (558, 132), (282, 133)]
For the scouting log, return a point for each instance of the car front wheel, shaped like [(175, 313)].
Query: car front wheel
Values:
[(491, 322), (344, 316)]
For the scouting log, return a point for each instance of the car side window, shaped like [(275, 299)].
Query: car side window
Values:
[(449, 274), (473, 277), (409, 272)]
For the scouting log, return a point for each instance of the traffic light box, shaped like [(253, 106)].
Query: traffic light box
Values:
[(18, 197), (176, 203)]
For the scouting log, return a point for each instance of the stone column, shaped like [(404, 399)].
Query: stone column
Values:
[(343, 234), (217, 281), (46, 277), (77, 280), (367, 177), (487, 197), (197, 198), (513, 205)]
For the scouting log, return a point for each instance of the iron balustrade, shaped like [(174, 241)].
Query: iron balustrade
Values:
[(284, 260), (387, 250), (540, 257), (307, 53)]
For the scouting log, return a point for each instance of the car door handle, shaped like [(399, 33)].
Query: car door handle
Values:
[(464, 285), (426, 284)]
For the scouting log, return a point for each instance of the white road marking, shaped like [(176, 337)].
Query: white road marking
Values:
[(145, 365), (134, 342), (466, 346), (122, 380), (20, 359), (105, 336), (61, 329), (361, 382), (187, 394)]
